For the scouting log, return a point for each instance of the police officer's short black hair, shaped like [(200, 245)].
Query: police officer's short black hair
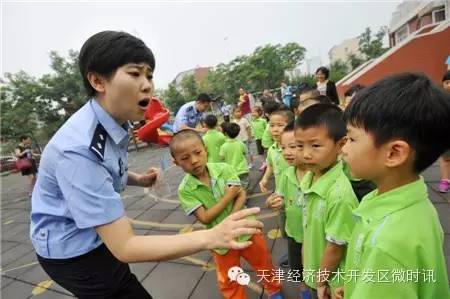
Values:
[(210, 121), (323, 115), (231, 130), (204, 98), (405, 106), (180, 137), (106, 51)]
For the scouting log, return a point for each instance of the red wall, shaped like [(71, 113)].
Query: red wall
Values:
[(426, 54)]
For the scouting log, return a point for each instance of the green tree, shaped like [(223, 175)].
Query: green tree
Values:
[(338, 70), (372, 46), (355, 60), (173, 98), (189, 87)]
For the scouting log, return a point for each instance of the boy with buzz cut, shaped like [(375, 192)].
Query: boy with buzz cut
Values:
[(212, 191), (328, 197), (233, 152), (401, 125), (213, 139)]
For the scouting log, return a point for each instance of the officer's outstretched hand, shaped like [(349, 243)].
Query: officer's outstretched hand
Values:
[(224, 234), (148, 179)]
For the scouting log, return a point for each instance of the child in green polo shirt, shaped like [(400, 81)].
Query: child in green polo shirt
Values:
[(396, 129), (212, 191), (288, 198), (258, 125), (328, 196), (233, 152), (213, 139), (275, 161)]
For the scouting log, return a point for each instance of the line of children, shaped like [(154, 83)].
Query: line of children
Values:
[(288, 197), (213, 139), (212, 191), (401, 124), (233, 152)]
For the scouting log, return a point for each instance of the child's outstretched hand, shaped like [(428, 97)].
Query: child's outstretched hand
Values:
[(274, 201), (225, 234)]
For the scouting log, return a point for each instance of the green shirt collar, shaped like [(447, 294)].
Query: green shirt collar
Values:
[(374, 207), (324, 183), (291, 174), (193, 183)]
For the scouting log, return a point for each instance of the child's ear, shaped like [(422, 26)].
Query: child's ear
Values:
[(398, 152), (97, 82)]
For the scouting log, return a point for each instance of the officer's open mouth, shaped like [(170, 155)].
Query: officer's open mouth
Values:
[(144, 103)]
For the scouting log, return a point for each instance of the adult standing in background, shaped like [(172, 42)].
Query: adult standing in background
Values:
[(23, 151), (286, 94), (325, 86), (244, 102)]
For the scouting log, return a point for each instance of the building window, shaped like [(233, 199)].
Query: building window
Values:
[(401, 33), (438, 15)]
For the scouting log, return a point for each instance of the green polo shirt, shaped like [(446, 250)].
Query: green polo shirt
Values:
[(213, 140), (289, 188), (234, 152), (398, 237), (276, 160), (258, 127), (327, 217), (267, 140), (194, 194)]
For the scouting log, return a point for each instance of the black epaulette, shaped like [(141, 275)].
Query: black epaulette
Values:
[(190, 108), (98, 142)]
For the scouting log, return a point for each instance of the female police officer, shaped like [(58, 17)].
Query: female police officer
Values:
[(79, 230)]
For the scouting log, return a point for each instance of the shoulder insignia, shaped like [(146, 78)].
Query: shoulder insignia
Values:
[(98, 142)]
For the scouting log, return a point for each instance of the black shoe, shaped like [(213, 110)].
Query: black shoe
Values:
[(283, 261)]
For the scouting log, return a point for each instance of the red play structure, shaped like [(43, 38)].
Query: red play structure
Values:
[(155, 116)]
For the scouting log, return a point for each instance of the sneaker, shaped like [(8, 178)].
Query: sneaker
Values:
[(444, 186), (277, 295), (263, 167), (283, 261)]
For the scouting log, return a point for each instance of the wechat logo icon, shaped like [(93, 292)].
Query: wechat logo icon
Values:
[(238, 275)]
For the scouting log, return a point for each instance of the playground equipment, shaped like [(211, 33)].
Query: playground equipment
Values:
[(156, 116)]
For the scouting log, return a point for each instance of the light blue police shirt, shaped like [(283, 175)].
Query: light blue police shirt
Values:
[(82, 171), (187, 115)]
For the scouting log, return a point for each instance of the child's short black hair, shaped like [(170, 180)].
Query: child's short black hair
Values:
[(210, 121), (23, 137), (326, 115), (324, 71), (180, 137), (204, 98), (287, 114), (106, 51), (270, 106), (405, 106), (446, 76), (353, 89), (231, 130), (289, 127), (258, 109), (323, 99)]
